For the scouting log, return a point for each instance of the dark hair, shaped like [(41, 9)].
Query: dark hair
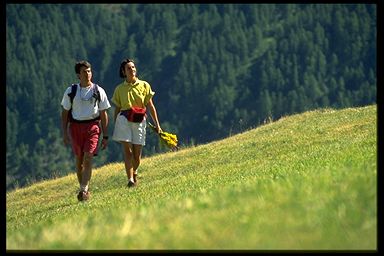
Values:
[(82, 63), (122, 65)]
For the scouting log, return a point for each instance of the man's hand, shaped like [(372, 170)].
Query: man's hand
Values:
[(66, 140), (104, 142)]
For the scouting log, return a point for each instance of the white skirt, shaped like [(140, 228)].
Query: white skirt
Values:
[(128, 131)]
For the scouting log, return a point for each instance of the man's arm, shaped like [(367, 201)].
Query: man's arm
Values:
[(64, 125), (104, 127)]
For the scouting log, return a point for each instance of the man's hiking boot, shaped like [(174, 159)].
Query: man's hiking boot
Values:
[(83, 195), (131, 184)]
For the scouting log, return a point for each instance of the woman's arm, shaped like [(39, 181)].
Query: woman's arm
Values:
[(153, 112)]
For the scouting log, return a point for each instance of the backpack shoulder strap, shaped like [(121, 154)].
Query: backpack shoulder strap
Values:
[(72, 94), (97, 93)]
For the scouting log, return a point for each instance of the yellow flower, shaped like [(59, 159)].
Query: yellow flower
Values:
[(166, 138)]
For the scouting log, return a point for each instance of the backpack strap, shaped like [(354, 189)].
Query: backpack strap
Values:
[(96, 94), (72, 94)]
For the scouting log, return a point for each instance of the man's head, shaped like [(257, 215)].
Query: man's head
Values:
[(83, 71), (82, 63)]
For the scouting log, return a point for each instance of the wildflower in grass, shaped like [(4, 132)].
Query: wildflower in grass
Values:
[(167, 139)]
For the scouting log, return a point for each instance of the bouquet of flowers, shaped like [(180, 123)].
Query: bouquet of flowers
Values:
[(167, 139)]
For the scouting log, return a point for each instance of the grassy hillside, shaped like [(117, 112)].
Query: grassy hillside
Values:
[(306, 181)]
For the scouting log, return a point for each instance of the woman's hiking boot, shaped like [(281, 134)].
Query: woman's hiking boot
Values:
[(131, 184), (83, 195)]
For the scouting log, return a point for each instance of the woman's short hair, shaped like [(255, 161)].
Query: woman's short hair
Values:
[(122, 65)]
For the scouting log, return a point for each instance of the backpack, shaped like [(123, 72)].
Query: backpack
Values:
[(72, 94)]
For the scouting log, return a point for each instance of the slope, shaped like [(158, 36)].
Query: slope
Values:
[(306, 181)]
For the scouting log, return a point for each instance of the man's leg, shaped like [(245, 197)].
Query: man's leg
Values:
[(79, 167), (87, 171)]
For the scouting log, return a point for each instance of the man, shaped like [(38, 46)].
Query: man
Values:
[(84, 108)]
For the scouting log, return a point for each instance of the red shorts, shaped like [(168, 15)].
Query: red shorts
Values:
[(85, 137)]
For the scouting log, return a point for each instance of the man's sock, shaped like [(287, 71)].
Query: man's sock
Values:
[(84, 188)]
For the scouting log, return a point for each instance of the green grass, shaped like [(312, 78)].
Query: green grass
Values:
[(306, 181)]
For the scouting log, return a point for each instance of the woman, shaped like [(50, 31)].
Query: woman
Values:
[(131, 99)]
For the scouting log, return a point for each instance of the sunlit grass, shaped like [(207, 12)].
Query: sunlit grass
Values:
[(306, 181)]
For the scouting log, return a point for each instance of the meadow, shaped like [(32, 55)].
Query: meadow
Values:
[(303, 182)]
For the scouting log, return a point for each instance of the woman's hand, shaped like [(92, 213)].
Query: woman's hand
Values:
[(158, 129)]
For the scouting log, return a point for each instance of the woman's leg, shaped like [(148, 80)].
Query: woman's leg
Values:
[(137, 149), (128, 159)]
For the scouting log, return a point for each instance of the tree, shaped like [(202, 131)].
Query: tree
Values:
[(265, 104), (209, 64)]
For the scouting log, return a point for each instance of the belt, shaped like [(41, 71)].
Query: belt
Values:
[(85, 121)]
